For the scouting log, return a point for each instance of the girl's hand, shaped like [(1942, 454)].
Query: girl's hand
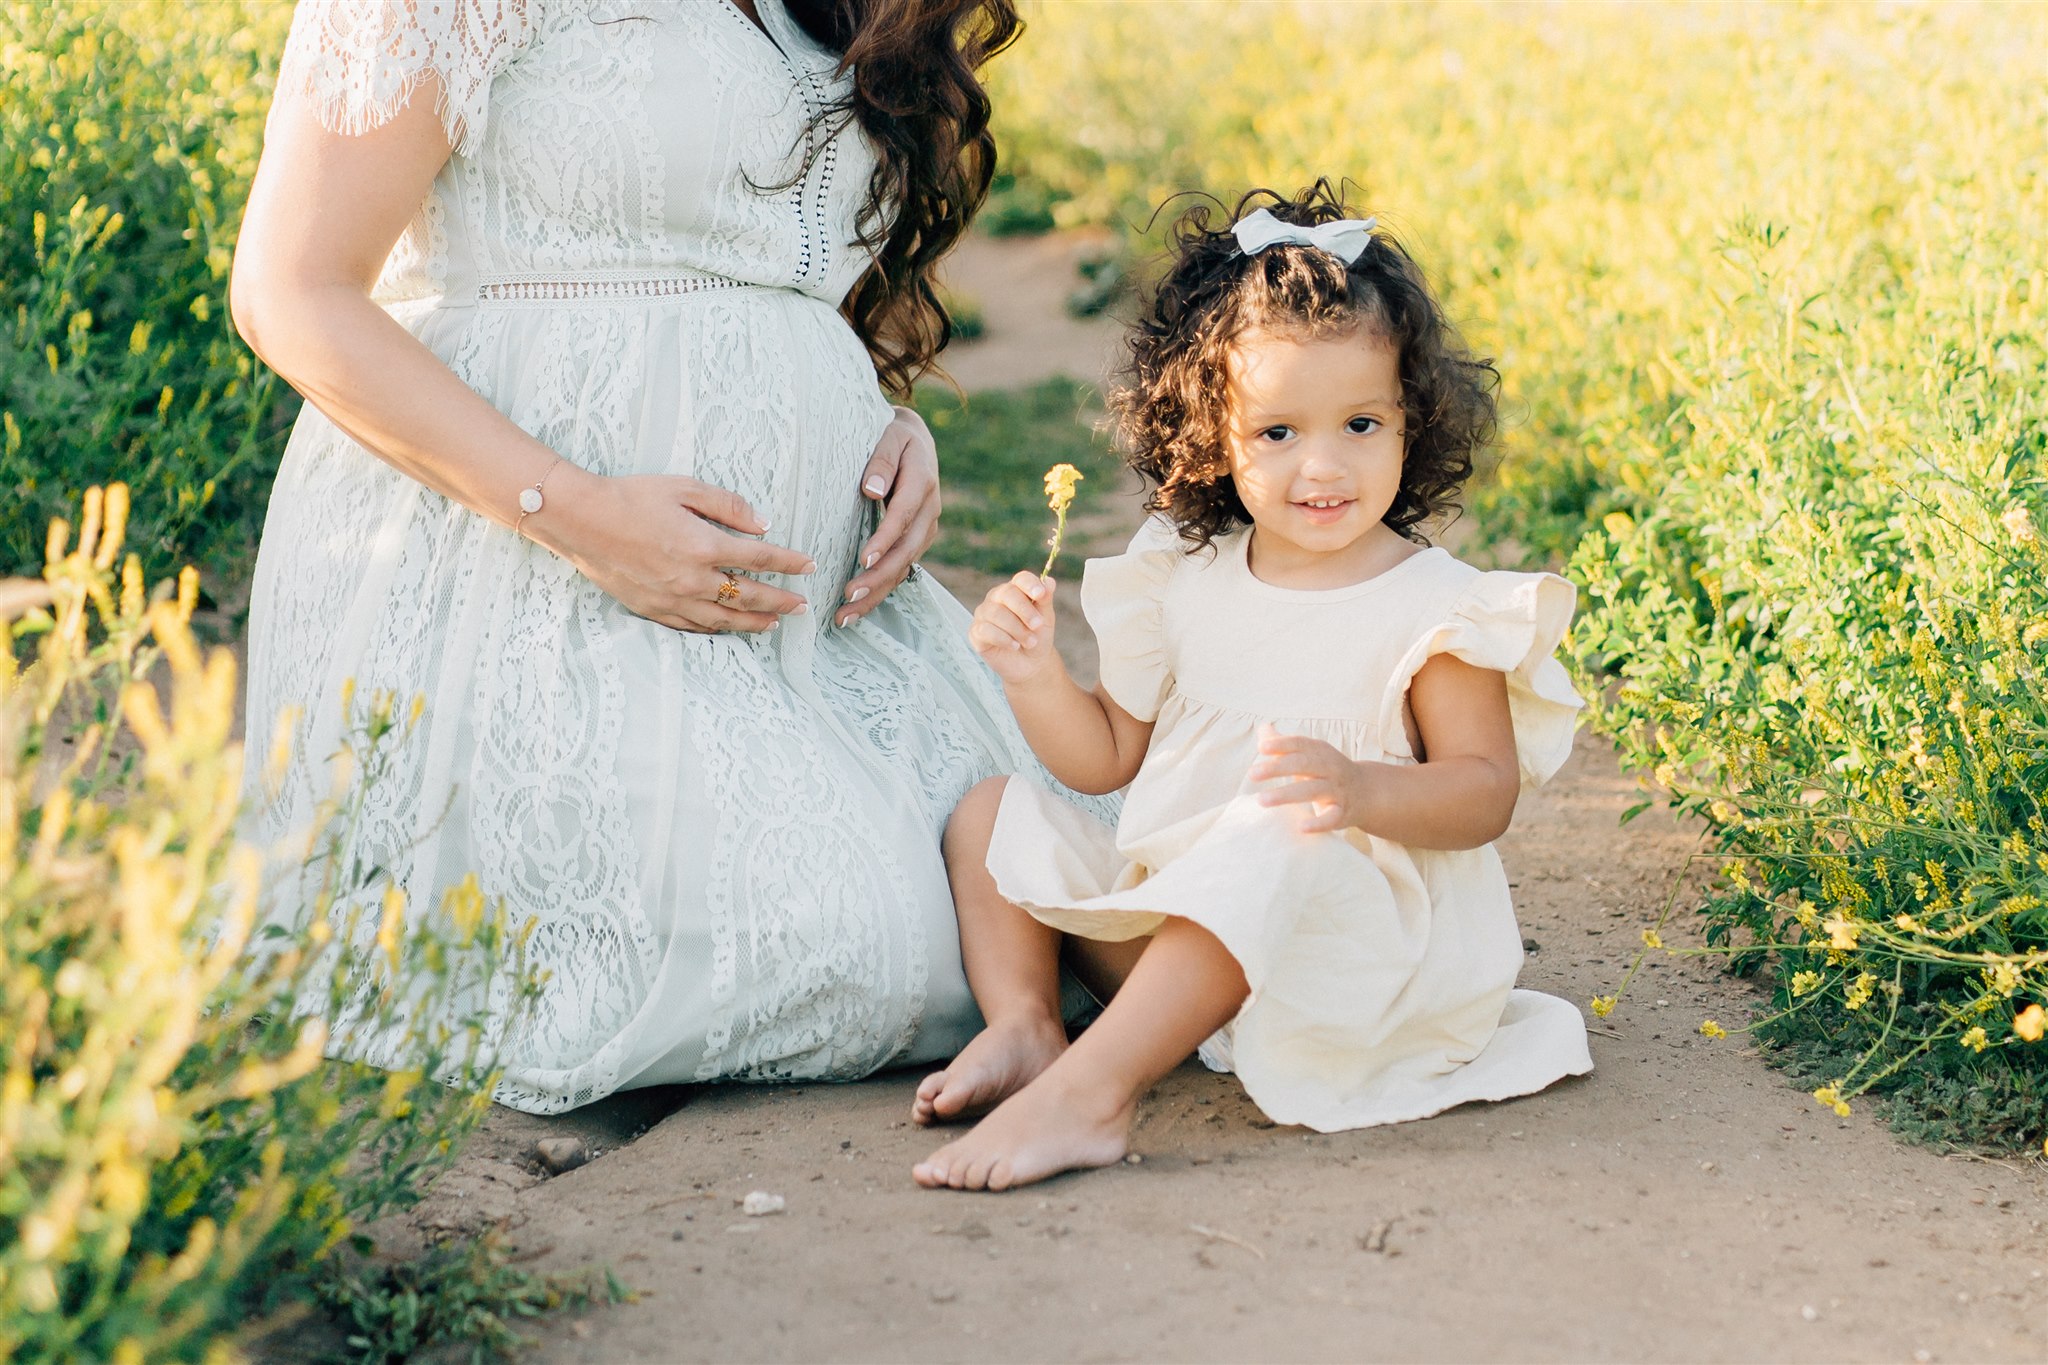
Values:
[(1012, 629), (653, 542), (902, 475), (1337, 790)]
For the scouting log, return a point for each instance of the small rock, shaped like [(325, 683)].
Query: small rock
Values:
[(1810, 1313), (1530, 945), (1133, 1159), (1708, 1167), (676, 1236), (760, 1203), (561, 1154), (945, 1295)]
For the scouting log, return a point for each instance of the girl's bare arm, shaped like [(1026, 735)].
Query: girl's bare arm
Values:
[(1461, 795), (1084, 738)]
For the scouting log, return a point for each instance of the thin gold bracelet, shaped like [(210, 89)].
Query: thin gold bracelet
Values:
[(530, 500)]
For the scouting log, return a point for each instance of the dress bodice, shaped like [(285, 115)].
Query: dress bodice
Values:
[(1209, 652), (603, 148)]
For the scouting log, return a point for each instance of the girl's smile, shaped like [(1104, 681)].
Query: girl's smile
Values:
[(1316, 450)]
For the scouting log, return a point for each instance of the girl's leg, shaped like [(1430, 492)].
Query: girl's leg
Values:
[(1013, 965), (1078, 1113)]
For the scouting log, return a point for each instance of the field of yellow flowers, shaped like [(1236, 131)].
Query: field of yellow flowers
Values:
[(1766, 286)]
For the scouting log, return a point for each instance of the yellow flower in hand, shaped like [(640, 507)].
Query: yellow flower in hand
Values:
[(1059, 496)]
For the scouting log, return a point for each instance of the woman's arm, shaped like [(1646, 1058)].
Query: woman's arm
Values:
[(323, 213), (1461, 795), (1084, 739)]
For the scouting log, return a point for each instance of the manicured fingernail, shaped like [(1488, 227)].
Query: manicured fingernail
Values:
[(764, 526), (810, 566), (856, 595), (800, 609), (876, 485), (1037, 622), (773, 624), (869, 562), (842, 621)]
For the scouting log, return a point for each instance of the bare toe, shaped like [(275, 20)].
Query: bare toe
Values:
[(923, 1110)]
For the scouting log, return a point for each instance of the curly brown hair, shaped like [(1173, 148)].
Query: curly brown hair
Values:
[(1170, 403), (918, 96)]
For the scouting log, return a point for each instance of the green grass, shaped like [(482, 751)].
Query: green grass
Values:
[(994, 449)]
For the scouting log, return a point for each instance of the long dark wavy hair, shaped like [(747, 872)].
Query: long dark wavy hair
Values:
[(1170, 403), (918, 97)]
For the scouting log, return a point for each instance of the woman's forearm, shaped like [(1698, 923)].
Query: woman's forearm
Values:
[(382, 386)]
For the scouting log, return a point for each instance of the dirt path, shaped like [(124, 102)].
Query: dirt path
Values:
[(1682, 1203)]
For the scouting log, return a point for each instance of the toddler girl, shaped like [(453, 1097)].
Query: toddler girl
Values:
[(1323, 722)]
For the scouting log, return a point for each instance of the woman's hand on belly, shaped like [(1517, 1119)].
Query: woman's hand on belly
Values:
[(902, 475), (654, 542)]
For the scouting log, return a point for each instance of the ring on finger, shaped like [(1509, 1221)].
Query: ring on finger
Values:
[(728, 591)]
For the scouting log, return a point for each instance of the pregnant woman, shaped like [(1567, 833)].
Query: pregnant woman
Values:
[(594, 303)]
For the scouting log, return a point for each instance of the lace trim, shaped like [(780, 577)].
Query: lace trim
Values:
[(523, 289)]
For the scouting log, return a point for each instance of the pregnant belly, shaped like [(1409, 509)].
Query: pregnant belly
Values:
[(765, 392)]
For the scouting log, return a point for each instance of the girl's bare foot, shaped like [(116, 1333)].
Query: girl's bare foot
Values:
[(1001, 1060), (1043, 1129)]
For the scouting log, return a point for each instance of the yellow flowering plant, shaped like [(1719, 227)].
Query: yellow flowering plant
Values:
[(1060, 483), (128, 135), (176, 1157)]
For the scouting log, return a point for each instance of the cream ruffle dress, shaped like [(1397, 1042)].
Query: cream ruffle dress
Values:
[(1382, 977)]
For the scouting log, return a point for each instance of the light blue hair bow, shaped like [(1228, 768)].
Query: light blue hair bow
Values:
[(1346, 239)]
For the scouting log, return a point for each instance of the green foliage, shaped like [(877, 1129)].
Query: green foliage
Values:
[(994, 450), (1826, 613), (128, 135), (456, 1294), (175, 1156)]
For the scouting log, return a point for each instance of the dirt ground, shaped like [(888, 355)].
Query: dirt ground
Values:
[(1684, 1202)]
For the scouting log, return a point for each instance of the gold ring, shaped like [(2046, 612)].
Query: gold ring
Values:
[(728, 591)]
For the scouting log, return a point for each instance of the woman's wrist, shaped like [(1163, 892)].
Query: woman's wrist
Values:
[(570, 498)]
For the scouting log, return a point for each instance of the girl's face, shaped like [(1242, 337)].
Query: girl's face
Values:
[(1316, 444)]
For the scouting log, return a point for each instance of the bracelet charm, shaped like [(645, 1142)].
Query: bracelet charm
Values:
[(530, 500)]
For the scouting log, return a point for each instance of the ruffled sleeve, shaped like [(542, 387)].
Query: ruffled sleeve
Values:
[(358, 61), (1511, 623), (1124, 598)]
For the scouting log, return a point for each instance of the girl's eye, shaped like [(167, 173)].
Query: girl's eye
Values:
[(1276, 434), (1362, 426)]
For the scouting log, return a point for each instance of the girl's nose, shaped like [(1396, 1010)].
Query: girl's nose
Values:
[(1320, 461)]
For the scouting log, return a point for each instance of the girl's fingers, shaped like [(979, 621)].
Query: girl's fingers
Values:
[(987, 634), (1296, 766), (1322, 817), (1032, 586), (1019, 604), (1305, 789)]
